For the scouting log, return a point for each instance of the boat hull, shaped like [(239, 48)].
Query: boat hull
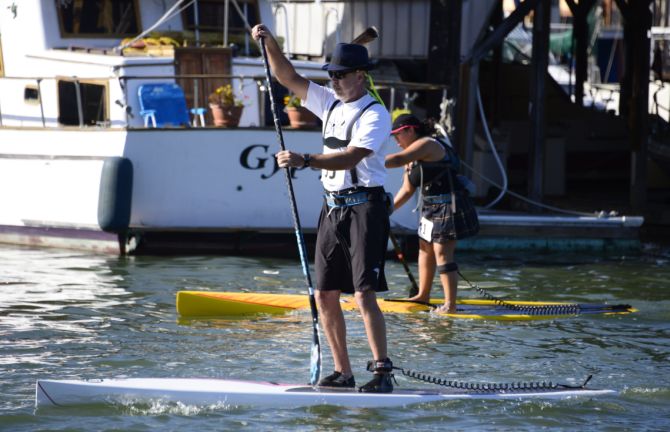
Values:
[(187, 185), (194, 189)]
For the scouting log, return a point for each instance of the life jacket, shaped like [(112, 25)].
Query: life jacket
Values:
[(439, 177)]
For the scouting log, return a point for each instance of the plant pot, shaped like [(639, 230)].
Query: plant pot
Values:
[(226, 116), (302, 118)]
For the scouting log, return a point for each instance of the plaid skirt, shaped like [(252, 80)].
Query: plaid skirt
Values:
[(452, 226)]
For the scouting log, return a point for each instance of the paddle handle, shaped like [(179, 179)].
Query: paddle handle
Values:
[(315, 365)]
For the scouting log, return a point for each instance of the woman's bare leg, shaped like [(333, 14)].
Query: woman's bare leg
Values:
[(426, 271), (444, 254)]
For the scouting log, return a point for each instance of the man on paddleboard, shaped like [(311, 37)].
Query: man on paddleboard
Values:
[(354, 223)]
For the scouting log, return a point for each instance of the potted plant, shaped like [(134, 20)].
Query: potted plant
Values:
[(226, 108), (299, 117)]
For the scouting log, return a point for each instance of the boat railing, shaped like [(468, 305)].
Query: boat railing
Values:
[(282, 8), (327, 15), (112, 102)]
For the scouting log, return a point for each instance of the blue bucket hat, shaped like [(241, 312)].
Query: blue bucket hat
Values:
[(348, 57)]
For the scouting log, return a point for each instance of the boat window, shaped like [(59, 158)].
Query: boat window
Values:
[(93, 103), (31, 95), (98, 18), (211, 13)]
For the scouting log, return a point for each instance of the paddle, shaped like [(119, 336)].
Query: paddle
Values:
[(414, 290), (315, 362), (369, 34)]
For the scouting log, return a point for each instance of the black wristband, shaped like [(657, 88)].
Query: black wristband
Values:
[(307, 159)]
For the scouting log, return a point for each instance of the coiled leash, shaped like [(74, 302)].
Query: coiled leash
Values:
[(490, 387), (557, 309)]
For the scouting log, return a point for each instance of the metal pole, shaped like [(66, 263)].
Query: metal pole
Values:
[(123, 84), (640, 19), (196, 93), (262, 120), (225, 23), (39, 96), (246, 34), (196, 22), (80, 109), (469, 79), (580, 33), (539, 65), (444, 38)]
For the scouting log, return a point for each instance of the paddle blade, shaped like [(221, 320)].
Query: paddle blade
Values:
[(368, 35), (315, 363)]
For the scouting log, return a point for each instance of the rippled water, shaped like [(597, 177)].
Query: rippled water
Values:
[(74, 315)]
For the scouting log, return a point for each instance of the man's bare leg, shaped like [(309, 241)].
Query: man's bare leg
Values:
[(330, 311), (375, 325)]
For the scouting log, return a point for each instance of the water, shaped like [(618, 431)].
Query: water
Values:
[(75, 315)]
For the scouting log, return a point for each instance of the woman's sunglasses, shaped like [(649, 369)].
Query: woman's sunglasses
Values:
[(339, 74)]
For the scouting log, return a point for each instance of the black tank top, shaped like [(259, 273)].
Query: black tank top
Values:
[(439, 177)]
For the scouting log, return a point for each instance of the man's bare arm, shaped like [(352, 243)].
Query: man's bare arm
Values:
[(345, 160)]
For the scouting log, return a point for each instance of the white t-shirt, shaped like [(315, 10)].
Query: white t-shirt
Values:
[(371, 131)]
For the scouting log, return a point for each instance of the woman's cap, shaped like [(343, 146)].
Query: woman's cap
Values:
[(404, 121), (347, 57)]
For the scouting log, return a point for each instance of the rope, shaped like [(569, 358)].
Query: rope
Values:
[(523, 198), (489, 387), (169, 14), (372, 90)]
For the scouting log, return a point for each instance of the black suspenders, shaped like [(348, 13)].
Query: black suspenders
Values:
[(332, 142)]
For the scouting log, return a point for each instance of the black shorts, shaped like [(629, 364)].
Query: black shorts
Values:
[(351, 248), (447, 226)]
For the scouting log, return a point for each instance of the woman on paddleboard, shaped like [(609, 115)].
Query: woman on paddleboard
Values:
[(354, 224), (447, 212)]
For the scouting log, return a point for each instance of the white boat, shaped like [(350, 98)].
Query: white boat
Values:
[(70, 104), (82, 167), (234, 393)]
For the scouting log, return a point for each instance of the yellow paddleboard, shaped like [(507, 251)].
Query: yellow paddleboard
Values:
[(191, 304)]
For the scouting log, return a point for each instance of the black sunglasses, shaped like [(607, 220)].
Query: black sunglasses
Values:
[(339, 74)]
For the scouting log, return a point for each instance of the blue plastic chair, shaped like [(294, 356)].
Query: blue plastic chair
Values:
[(164, 104)]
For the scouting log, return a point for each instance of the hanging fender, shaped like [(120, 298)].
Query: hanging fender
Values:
[(115, 196)]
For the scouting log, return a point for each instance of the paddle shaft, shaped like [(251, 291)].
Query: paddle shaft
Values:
[(316, 345), (414, 290)]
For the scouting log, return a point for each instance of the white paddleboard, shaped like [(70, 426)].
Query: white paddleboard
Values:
[(262, 394)]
